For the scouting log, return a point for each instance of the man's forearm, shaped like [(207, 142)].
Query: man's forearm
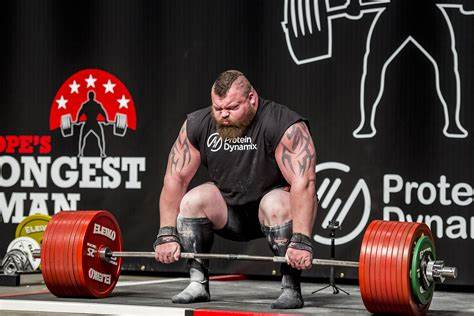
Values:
[(170, 199), (302, 202)]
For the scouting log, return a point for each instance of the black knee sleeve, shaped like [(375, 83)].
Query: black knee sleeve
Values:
[(278, 238), (196, 236)]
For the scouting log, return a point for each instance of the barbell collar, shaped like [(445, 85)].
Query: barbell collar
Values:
[(437, 272)]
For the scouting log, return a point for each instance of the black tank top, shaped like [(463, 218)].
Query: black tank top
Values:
[(244, 168)]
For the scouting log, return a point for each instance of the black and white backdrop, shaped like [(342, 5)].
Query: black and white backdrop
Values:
[(388, 94)]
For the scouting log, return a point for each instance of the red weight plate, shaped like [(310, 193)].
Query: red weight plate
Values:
[(56, 255), (377, 280), (391, 265), (78, 252), (406, 265), (390, 278), (46, 263), (100, 276), (50, 275), (376, 296), (364, 264), (398, 273), (71, 253), (380, 266), (70, 220), (44, 254), (373, 277), (381, 283), (412, 308), (67, 224), (61, 233)]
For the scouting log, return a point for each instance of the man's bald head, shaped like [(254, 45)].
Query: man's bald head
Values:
[(226, 79)]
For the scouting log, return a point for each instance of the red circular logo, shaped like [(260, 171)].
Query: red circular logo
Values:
[(93, 95)]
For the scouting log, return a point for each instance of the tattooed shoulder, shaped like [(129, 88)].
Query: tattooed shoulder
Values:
[(297, 153), (180, 155)]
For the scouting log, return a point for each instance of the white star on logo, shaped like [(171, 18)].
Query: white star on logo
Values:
[(109, 86), (123, 102), (74, 87), (61, 103), (91, 81)]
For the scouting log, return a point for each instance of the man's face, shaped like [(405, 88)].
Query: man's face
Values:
[(233, 113)]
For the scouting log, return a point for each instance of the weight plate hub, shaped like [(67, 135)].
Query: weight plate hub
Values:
[(33, 226), (385, 262)]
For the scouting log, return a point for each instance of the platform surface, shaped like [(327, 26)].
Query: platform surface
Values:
[(137, 295)]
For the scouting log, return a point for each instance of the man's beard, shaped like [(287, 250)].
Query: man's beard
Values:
[(234, 129)]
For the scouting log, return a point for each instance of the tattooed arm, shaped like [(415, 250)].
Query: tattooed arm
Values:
[(183, 162), (296, 157)]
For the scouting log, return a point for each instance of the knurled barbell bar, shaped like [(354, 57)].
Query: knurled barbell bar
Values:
[(81, 256)]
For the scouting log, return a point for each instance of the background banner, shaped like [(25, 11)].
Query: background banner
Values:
[(389, 99)]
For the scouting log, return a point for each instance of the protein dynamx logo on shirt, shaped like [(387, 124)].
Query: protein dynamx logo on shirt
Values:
[(215, 143)]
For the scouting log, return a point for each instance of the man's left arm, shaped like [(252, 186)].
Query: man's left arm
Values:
[(296, 158)]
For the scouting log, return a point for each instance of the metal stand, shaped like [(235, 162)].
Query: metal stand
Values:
[(333, 225)]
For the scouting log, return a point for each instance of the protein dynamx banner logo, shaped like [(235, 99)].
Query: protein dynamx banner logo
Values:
[(85, 106)]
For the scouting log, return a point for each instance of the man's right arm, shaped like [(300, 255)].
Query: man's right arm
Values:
[(183, 161)]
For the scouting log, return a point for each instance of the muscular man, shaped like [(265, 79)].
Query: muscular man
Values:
[(261, 162), (91, 109)]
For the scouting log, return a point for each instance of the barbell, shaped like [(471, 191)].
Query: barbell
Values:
[(120, 125), (307, 24), (81, 256)]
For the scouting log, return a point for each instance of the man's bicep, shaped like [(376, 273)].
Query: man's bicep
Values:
[(295, 153), (184, 159)]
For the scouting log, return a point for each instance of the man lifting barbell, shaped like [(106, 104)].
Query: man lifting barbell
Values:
[(261, 161)]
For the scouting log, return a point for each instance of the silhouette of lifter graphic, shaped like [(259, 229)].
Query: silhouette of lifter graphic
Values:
[(91, 109), (426, 25)]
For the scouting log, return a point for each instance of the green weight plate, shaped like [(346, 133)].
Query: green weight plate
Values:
[(422, 289)]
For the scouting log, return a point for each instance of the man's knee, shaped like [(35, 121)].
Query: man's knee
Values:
[(275, 208), (192, 205)]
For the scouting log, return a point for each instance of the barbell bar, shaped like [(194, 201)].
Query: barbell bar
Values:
[(81, 256), (435, 269)]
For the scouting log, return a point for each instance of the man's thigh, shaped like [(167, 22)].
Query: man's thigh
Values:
[(275, 208), (205, 200)]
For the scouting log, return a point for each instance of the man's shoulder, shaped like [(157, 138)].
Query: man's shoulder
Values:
[(200, 114), (196, 123), (275, 109)]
